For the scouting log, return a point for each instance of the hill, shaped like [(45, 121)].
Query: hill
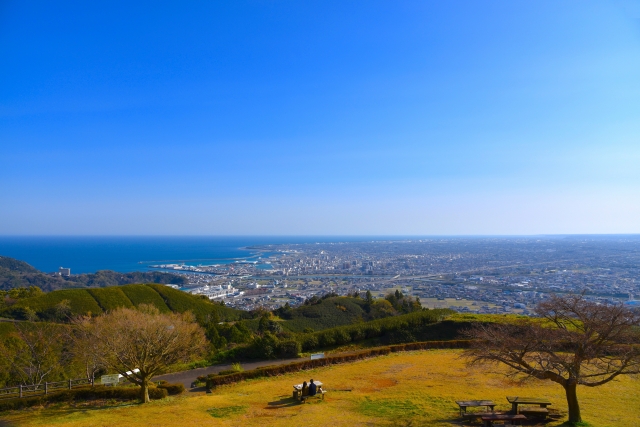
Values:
[(15, 274), (402, 389), (15, 265), (327, 313), (58, 305)]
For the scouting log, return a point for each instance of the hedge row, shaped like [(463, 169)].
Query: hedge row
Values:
[(110, 298), (143, 294), (373, 329), (172, 389), (86, 393), (213, 380)]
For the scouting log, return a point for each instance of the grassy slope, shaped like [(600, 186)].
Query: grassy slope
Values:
[(80, 300), (181, 301), (326, 314), (110, 298), (418, 388), (143, 294)]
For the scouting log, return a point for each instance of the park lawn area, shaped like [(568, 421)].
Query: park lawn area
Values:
[(401, 389)]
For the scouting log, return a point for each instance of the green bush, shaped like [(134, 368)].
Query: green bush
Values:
[(110, 298), (143, 294), (288, 349), (172, 389)]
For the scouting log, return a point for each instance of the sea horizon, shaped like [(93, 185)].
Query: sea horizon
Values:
[(88, 254)]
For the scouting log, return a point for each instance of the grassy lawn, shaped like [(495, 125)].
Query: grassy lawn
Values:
[(402, 389)]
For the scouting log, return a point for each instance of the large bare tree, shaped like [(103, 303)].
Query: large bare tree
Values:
[(575, 342), (34, 352), (143, 339)]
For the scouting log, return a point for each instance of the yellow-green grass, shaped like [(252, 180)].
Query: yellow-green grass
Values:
[(416, 388)]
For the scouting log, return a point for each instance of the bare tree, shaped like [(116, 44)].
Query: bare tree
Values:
[(576, 342), (34, 352), (127, 339), (83, 350)]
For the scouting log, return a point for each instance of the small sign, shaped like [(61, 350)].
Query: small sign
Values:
[(110, 379), (315, 356)]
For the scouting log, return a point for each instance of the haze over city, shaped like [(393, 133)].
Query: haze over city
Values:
[(339, 118)]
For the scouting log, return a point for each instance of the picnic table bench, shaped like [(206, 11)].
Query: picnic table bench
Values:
[(464, 404), (516, 401), (297, 392), (490, 418)]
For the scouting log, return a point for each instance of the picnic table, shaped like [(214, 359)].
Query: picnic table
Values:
[(464, 404), (516, 400), (297, 389), (490, 418)]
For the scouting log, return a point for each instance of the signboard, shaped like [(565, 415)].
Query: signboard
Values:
[(317, 356), (110, 379)]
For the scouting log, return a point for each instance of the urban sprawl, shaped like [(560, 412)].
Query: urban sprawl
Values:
[(474, 275)]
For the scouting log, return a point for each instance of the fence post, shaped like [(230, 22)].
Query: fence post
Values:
[(46, 389), (20, 390), (69, 384)]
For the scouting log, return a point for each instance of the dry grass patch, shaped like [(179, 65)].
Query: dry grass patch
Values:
[(401, 389)]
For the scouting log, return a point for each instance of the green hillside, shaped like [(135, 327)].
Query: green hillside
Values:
[(57, 305), (16, 274), (328, 313), (110, 298), (144, 294), (16, 265), (180, 302)]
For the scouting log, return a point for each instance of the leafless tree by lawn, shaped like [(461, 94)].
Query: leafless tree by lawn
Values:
[(576, 342), (128, 339), (34, 352)]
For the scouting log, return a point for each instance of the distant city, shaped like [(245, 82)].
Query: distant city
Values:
[(474, 275)]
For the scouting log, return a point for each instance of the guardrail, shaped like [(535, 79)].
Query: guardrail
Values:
[(44, 388)]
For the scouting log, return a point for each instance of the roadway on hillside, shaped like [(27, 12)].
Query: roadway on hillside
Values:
[(188, 377)]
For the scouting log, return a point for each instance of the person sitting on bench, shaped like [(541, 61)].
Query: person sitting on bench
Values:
[(305, 390), (313, 389)]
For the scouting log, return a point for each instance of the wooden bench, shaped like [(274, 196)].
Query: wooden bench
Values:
[(297, 390), (476, 415), (536, 412), (464, 404), (318, 395), (516, 401), (489, 419)]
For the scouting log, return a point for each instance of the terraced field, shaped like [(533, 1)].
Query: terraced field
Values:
[(99, 300)]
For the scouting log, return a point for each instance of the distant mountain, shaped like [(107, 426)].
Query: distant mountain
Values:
[(15, 265), (15, 273)]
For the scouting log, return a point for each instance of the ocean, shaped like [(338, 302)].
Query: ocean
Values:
[(90, 254)]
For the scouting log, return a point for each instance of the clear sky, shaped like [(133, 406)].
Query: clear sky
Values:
[(319, 117)]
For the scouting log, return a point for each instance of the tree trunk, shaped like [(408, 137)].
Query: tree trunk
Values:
[(144, 389), (572, 401)]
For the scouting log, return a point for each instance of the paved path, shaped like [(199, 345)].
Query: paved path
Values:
[(188, 377)]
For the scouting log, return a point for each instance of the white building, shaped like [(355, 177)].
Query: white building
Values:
[(217, 291)]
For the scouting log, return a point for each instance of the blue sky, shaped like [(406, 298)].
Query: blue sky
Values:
[(273, 117)]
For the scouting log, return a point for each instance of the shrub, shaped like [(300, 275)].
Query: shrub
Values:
[(288, 349), (172, 389), (85, 393)]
